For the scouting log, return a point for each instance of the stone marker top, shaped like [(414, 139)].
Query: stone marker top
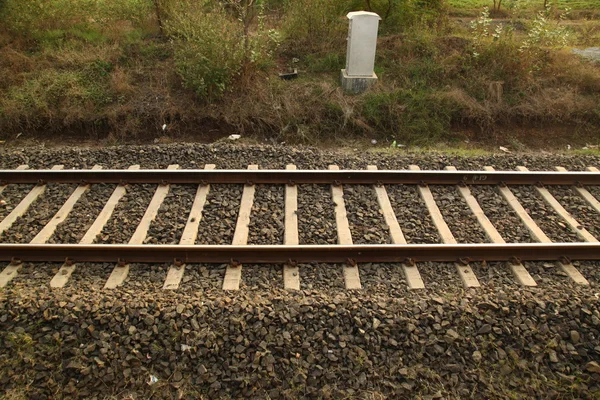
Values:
[(354, 14)]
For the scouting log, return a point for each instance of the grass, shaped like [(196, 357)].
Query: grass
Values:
[(119, 78), (573, 4)]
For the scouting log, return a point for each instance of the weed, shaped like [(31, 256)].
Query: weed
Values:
[(108, 66), (410, 116)]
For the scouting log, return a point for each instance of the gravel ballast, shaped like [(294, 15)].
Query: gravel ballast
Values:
[(316, 215), (501, 215), (10, 197), (324, 342), (266, 218), (462, 222), (220, 214), (82, 215), (544, 215), (27, 226), (578, 208), (127, 215), (366, 221), (412, 215)]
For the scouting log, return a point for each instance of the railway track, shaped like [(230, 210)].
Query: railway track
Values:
[(291, 253)]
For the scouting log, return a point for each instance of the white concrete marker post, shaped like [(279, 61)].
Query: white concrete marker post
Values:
[(360, 58)]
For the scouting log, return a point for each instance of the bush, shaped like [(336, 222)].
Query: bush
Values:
[(316, 25), (212, 47), (411, 116), (399, 15), (209, 49), (51, 96)]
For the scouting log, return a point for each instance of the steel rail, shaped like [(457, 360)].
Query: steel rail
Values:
[(197, 176), (256, 254)]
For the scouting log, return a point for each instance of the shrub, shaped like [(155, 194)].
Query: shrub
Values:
[(316, 25), (212, 48), (399, 15), (50, 96), (411, 116), (209, 50)]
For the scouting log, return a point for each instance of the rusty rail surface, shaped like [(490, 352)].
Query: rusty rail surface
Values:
[(196, 176), (279, 254)]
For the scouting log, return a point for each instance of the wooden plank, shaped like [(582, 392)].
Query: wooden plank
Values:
[(465, 272), (529, 223), (536, 233), (389, 216), (521, 274), (120, 272), (518, 270), (351, 273), (435, 213), (19, 168), (411, 272), (61, 215), (575, 226), (66, 270), (12, 270), (233, 273), (291, 273), (106, 212), (490, 230), (190, 232), (584, 193), (24, 205)]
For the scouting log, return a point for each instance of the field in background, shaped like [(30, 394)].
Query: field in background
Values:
[(139, 69), (586, 5)]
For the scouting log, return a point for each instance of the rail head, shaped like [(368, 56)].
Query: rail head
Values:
[(257, 254), (235, 176)]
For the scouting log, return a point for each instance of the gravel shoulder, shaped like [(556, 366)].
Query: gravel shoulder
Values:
[(489, 343)]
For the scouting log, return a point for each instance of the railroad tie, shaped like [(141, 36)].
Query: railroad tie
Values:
[(411, 272), (291, 273), (233, 273), (465, 271), (121, 270), (190, 232), (66, 270), (351, 274)]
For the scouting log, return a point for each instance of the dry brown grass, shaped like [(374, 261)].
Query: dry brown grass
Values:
[(553, 104), (120, 82), (13, 65), (567, 68), (127, 85)]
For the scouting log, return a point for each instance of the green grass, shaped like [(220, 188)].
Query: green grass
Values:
[(573, 4)]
